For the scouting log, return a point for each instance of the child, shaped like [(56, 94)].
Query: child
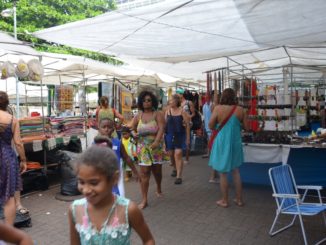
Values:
[(103, 217), (130, 146), (106, 128), (10, 234)]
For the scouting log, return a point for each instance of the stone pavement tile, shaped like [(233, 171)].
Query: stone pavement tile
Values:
[(186, 214)]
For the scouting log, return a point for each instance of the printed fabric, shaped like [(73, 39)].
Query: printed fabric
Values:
[(146, 137), (114, 231), (10, 180)]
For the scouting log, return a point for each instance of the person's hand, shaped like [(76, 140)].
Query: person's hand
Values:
[(23, 167), (154, 145), (27, 240)]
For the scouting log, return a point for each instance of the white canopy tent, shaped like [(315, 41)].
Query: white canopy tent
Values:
[(68, 69), (184, 38), (9, 45)]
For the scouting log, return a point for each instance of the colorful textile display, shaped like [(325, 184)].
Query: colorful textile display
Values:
[(31, 128)]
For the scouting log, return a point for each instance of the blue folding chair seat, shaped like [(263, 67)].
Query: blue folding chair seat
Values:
[(290, 202)]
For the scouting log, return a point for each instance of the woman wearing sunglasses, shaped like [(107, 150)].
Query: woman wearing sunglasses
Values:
[(148, 128)]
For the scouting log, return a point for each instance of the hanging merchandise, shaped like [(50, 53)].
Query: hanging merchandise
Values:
[(82, 100), (64, 97), (22, 70), (7, 70), (169, 93), (126, 101), (36, 70)]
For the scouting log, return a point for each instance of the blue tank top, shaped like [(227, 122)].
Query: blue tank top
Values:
[(174, 124)]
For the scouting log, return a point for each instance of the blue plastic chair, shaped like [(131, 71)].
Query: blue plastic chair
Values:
[(290, 202)]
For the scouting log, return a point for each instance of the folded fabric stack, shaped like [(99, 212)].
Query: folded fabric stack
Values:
[(31, 128), (56, 125), (73, 126)]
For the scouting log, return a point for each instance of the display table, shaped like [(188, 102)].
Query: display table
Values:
[(45, 151), (308, 163)]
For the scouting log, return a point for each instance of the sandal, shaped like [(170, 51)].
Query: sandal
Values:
[(178, 181), (222, 204), (22, 210), (238, 203), (174, 173)]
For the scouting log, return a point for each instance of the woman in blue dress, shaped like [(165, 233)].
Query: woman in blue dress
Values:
[(226, 153), (10, 169)]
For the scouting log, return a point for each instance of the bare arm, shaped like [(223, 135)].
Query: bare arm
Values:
[(245, 121), (96, 114), (187, 120), (10, 234), (137, 222), (74, 236), (118, 115), (19, 145), (213, 120), (134, 122)]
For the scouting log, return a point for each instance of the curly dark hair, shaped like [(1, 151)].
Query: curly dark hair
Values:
[(228, 97), (141, 98), (4, 101)]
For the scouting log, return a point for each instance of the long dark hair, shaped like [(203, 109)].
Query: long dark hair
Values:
[(228, 97)]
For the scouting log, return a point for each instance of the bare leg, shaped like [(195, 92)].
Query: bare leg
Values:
[(224, 189), (187, 155), (17, 200), (178, 162), (19, 205), (157, 172), (145, 173), (9, 210), (213, 176), (238, 186), (172, 159)]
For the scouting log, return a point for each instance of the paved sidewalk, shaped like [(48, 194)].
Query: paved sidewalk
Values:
[(186, 215)]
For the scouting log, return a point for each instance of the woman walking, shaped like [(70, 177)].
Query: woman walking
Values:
[(177, 135), (105, 111), (226, 152), (10, 169), (148, 127)]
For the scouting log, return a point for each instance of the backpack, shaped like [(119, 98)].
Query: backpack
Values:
[(196, 121)]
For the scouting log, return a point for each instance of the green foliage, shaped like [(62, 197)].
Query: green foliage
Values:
[(33, 15)]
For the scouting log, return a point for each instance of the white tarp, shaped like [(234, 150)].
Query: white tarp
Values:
[(68, 69), (185, 38), (8, 45)]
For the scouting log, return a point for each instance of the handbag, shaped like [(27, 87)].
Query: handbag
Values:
[(215, 132)]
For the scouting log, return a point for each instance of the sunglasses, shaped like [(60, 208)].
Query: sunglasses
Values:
[(147, 100)]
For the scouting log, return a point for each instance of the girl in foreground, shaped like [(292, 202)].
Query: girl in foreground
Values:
[(103, 217)]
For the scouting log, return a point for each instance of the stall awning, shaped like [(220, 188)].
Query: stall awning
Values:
[(184, 38)]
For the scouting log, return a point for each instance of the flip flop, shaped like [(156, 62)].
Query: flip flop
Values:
[(22, 210), (238, 203), (222, 204), (142, 205)]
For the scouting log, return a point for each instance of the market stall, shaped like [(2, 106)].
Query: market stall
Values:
[(277, 69)]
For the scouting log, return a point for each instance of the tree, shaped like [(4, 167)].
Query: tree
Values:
[(34, 15)]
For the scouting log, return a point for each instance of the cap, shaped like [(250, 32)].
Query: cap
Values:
[(180, 91)]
